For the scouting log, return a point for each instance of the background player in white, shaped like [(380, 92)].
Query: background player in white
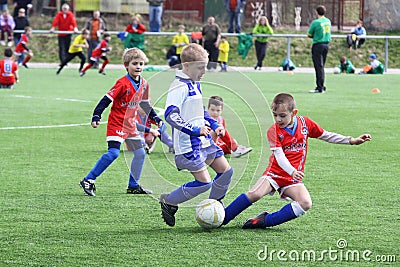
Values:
[(194, 148)]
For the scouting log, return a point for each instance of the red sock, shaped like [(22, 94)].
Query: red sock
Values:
[(87, 67), (104, 64), (26, 60)]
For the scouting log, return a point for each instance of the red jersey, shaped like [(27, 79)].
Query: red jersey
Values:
[(19, 49), (64, 22), (140, 28), (100, 50), (7, 71), (126, 96), (294, 143)]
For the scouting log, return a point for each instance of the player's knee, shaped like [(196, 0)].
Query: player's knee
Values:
[(139, 153), (254, 195), (305, 204), (112, 153)]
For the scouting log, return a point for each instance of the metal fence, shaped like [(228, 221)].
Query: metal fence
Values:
[(288, 37)]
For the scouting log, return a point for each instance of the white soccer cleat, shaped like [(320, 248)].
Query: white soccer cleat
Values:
[(240, 151)]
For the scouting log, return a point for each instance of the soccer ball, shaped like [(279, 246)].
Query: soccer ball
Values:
[(336, 70), (210, 213)]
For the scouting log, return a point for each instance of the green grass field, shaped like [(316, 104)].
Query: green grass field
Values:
[(45, 219)]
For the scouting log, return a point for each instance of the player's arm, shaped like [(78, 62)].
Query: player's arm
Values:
[(285, 164), (336, 138), (98, 110), (144, 129), (173, 117), (218, 129), (145, 105)]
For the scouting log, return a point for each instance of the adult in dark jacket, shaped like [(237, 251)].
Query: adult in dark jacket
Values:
[(25, 4), (21, 21)]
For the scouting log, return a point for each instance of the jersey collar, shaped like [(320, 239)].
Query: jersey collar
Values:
[(135, 85), (292, 131)]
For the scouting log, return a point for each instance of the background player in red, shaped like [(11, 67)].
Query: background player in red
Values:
[(99, 52), (21, 47), (227, 143), (287, 138), (126, 95), (8, 70)]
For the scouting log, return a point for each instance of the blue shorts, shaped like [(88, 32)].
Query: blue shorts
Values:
[(196, 160)]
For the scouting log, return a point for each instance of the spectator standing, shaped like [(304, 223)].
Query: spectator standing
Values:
[(3, 5), (65, 21), (223, 53), (96, 26), (357, 36), (20, 23), (211, 36), (320, 32), (155, 14), (25, 4), (135, 36), (7, 25), (235, 10), (261, 43), (180, 40)]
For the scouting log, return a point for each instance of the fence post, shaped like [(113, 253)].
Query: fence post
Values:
[(288, 48), (386, 53)]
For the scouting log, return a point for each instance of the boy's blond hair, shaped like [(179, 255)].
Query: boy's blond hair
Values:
[(193, 52), (284, 99), (134, 53)]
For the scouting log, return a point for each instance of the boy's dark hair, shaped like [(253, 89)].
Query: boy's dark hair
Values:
[(321, 10), (106, 34), (8, 52), (27, 28), (284, 99), (85, 31), (216, 100), (342, 59)]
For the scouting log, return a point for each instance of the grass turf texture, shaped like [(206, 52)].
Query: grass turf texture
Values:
[(46, 221)]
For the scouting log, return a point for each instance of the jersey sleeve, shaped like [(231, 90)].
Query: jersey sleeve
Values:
[(115, 91), (272, 136), (314, 129)]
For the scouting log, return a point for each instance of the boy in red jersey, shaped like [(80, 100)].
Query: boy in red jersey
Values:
[(285, 171), (99, 53), (126, 95), (21, 47), (8, 70), (226, 142)]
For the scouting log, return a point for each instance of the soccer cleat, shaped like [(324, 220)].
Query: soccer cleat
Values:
[(167, 210), (316, 91), (26, 66), (138, 190), (240, 151), (82, 73), (102, 72), (257, 222), (88, 187)]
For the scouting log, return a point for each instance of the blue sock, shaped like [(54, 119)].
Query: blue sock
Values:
[(105, 160), (220, 184), (283, 215), (136, 167), (187, 191), (241, 203)]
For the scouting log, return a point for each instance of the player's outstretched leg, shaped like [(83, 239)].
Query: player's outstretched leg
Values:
[(241, 203), (167, 210), (287, 213)]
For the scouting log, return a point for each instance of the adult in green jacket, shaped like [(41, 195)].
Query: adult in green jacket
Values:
[(261, 43)]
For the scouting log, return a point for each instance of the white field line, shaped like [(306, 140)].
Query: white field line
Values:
[(58, 98), (46, 126)]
